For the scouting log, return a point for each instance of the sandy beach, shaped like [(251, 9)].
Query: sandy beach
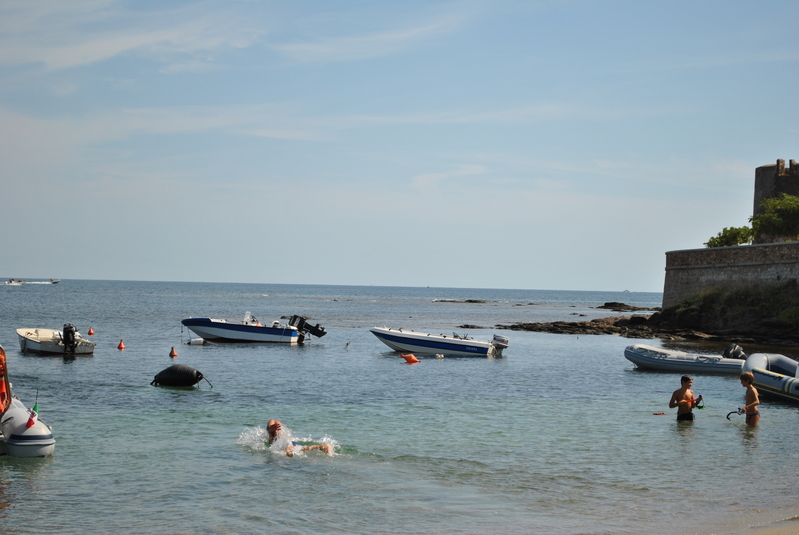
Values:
[(780, 522)]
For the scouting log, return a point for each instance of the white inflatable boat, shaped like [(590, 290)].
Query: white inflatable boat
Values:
[(657, 358), (775, 375), (22, 434)]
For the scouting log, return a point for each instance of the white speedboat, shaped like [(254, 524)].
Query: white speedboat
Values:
[(21, 434), (775, 375), (657, 358), (407, 341), (251, 330), (66, 342)]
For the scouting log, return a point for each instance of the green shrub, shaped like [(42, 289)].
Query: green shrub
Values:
[(730, 237)]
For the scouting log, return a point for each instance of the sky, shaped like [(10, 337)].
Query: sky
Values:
[(563, 145)]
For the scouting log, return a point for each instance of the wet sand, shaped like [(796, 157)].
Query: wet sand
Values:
[(788, 525)]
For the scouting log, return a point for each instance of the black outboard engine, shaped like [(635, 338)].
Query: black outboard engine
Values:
[(69, 336), (734, 351), (299, 323)]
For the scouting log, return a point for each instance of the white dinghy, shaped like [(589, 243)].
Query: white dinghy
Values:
[(775, 375), (657, 358), (22, 434), (69, 341)]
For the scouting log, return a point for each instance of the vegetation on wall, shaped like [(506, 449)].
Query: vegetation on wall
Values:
[(730, 237), (780, 217), (755, 309)]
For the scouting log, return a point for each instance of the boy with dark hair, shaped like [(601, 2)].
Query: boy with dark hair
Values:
[(683, 399)]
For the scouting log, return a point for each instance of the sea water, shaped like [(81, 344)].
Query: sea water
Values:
[(559, 436)]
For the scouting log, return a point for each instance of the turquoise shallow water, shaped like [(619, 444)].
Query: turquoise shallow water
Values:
[(557, 437)]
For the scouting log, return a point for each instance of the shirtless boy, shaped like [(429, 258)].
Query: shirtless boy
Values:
[(752, 399), (684, 400)]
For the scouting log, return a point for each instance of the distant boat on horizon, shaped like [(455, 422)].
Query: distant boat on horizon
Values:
[(20, 282)]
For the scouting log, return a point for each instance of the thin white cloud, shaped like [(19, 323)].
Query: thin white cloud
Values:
[(367, 46), (460, 171), (62, 35), (284, 120)]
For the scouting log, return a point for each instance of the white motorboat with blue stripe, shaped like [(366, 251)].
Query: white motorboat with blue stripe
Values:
[(408, 341), (251, 330)]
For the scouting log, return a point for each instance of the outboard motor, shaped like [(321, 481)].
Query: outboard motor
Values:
[(299, 323), (69, 337), (734, 351)]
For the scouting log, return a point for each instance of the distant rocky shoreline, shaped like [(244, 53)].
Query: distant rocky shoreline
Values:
[(634, 326), (663, 326)]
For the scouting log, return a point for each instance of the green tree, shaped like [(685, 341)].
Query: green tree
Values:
[(780, 217), (732, 236)]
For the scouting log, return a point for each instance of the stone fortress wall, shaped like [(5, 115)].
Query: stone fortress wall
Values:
[(689, 272)]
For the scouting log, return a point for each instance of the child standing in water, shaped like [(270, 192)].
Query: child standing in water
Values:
[(683, 399), (752, 399)]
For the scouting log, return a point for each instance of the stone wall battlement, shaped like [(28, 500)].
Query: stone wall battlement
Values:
[(691, 271)]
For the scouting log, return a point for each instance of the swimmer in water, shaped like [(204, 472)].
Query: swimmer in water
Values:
[(274, 429)]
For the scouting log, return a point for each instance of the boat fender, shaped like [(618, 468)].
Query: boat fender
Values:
[(178, 375)]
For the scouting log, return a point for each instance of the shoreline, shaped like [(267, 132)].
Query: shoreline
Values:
[(647, 326), (761, 522), (636, 327)]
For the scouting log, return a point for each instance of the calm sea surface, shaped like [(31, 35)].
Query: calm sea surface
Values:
[(557, 437)]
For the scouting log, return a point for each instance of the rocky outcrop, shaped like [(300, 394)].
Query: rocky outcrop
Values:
[(635, 326), (765, 315), (621, 307)]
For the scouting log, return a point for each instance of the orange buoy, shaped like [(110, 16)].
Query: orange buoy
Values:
[(409, 358), (91, 331), (173, 353), (121, 345)]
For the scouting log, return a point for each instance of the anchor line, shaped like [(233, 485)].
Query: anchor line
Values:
[(348, 343)]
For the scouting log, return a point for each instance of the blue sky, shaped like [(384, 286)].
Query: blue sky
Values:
[(542, 145)]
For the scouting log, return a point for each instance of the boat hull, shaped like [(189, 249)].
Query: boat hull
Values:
[(221, 331), (775, 375), (423, 343), (655, 358), (17, 440), (50, 341)]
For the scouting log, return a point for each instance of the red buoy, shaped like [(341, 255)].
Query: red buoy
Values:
[(121, 345), (91, 331), (409, 358), (173, 353)]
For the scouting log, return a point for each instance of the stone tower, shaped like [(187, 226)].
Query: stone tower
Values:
[(770, 181)]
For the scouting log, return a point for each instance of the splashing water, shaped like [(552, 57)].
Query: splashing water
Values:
[(255, 439)]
